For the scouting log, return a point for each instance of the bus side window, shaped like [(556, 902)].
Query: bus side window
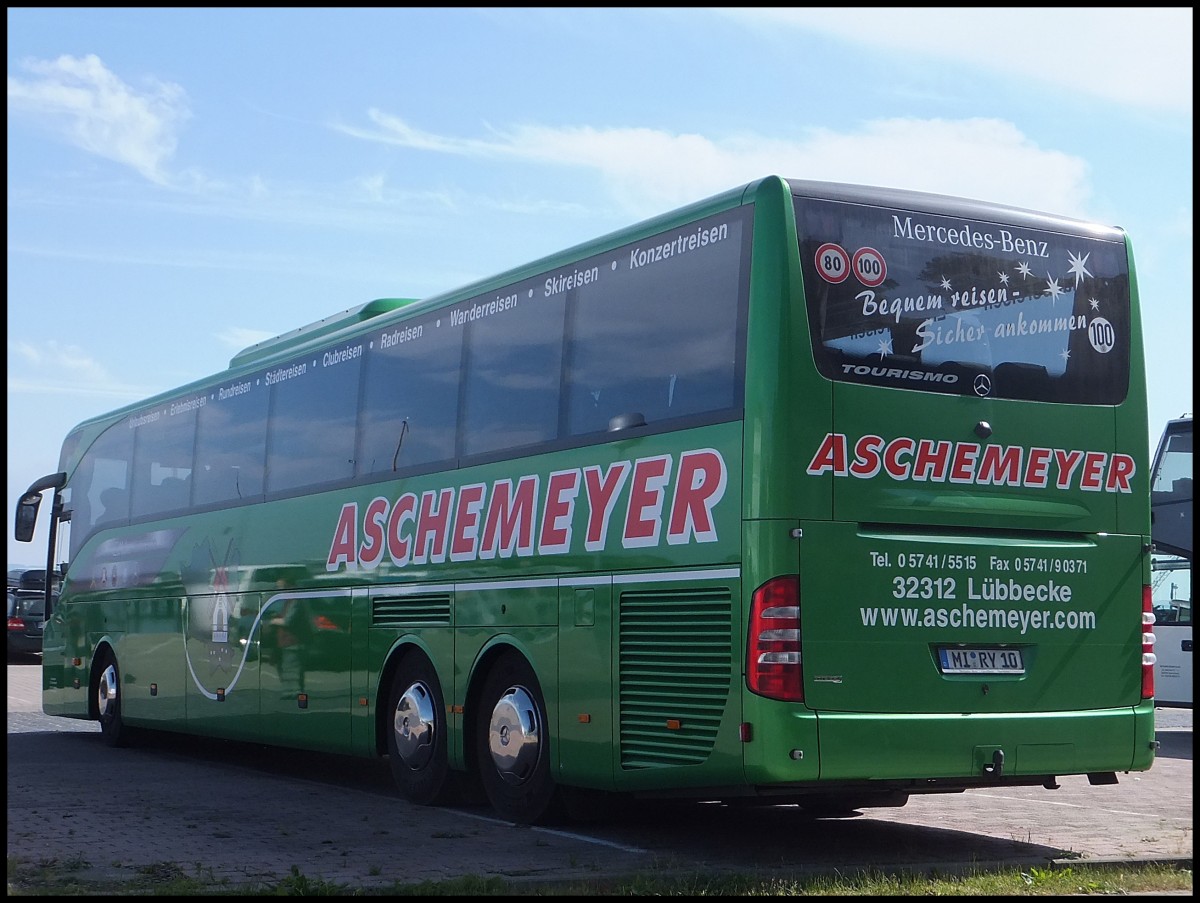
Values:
[(173, 493)]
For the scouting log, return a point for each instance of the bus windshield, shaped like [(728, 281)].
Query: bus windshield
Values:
[(943, 303)]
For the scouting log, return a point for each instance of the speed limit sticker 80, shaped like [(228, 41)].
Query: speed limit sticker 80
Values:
[(833, 263)]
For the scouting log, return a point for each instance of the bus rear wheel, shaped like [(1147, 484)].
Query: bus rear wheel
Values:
[(108, 702), (417, 733), (512, 742)]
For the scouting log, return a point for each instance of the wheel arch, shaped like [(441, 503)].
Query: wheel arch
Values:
[(495, 649), (403, 647)]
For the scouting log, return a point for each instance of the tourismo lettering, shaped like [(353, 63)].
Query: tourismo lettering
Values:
[(941, 461), (532, 514)]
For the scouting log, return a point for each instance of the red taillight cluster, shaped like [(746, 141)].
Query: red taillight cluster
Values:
[(15, 623), (773, 648), (1148, 658)]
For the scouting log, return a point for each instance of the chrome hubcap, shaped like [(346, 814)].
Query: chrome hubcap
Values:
[(515, 736), (413, 724), (106, 692)]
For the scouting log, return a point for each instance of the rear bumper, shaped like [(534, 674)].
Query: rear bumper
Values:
[(972, 747)]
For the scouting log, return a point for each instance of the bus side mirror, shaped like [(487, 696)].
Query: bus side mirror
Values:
[(27, 508), (26, 519)]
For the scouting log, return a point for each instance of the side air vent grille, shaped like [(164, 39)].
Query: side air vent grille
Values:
[(675, 671), (411, 610)]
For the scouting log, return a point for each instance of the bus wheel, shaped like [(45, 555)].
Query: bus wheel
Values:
[(108, 702), (513, 744), (417, 739)]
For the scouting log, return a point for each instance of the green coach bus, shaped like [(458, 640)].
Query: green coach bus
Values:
[(806, 493)]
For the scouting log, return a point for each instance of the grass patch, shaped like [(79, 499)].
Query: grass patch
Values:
[(54, 878)]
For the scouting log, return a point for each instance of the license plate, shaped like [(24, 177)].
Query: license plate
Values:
[(981, 661)]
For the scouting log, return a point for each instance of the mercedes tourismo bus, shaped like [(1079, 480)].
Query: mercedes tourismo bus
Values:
[(806, 493)]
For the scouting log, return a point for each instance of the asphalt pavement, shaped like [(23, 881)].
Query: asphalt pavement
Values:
[(249, 813)]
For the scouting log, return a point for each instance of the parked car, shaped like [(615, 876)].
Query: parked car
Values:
[(26, 618), (15, 572), (32, 579)]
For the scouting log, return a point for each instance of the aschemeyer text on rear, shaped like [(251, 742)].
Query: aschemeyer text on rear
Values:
[(805, 493)]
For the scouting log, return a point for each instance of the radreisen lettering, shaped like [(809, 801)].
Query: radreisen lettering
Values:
[(401, 334)]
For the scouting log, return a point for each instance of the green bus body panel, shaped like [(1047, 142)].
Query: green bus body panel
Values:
[(781, 376), (1075, 743), (266, 634), (1005, 493), (586, 710), (872, 627)]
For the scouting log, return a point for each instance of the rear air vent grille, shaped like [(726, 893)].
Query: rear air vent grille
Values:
[(675, 666)]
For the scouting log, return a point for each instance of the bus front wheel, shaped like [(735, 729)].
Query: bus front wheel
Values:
[(108, 702), (417, 734), (512, 742)]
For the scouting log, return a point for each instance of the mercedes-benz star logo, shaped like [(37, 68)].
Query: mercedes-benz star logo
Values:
[(983, 385)]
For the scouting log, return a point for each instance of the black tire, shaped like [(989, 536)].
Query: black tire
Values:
[(512, 745), (108, 702), (416, 733)]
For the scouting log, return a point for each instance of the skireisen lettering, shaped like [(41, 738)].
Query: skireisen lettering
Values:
[(940, 461), (516, 517), (564, 283)]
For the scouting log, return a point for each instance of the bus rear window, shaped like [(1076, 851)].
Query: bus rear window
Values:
[(945, 303)]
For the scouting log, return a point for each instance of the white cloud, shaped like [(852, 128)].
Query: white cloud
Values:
[(95, 110), (1137, 56), (52, 368), (650, 171)]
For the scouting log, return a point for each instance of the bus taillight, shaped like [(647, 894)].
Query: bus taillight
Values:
[(1148, 658), (773, 648)]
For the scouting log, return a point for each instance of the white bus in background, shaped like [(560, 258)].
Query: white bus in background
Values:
[(1171, 531)]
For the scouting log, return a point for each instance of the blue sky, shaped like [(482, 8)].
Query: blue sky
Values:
[(185, 182)]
